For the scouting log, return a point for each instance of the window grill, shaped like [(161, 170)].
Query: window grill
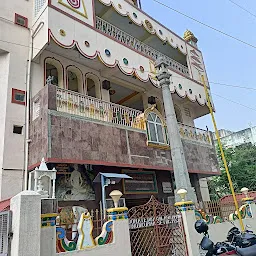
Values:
[(5, 228)]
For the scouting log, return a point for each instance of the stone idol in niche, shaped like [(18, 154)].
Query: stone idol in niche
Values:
[(74, 185)]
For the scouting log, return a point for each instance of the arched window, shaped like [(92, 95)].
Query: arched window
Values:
[(93, 86), (178, 114), (74, 79), (156, 129), (53, 72), (91, 90)]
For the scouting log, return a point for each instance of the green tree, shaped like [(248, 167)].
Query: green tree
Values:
[(242, 168)]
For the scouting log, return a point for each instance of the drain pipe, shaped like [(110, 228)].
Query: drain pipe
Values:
[(27, 115)]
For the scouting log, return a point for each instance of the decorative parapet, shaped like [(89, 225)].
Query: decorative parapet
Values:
[(194, 134), (48, 220), (136, 44), (120, 213), (107, 234), (62, 243), (185, 206), (245, 211), (200, 215), (84, 240), (248, 200)]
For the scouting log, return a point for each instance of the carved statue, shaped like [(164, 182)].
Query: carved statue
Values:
[(41, 190), (75, 187), (85, 227), (77, 213)]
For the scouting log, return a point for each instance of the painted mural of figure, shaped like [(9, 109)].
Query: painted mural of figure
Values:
[(76, 187), (80, 189)]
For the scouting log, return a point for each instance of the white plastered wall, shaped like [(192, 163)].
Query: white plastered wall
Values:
[(13, 61)]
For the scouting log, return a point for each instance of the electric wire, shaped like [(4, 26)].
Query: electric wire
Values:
[(243, 8), (206, 25), (147, 71), (235, 102), (180, 77)]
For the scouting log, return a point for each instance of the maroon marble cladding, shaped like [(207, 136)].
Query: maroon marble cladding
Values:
[(63, 137)]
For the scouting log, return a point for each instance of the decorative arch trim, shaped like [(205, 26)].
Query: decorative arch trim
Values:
[(96, 81), (133, 72), (154, 110), (78, 72), (153, 31), (53, 61)]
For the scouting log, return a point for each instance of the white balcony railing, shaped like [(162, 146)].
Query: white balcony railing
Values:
[(194, 134), (125, 38), (86, 106), (78, 104)]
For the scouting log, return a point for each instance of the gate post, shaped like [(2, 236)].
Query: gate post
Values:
[(26, 224), (121, 226), (187, 209)]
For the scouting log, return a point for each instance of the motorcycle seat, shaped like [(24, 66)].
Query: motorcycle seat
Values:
[(248, 251)]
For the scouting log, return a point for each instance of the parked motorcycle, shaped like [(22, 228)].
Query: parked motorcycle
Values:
[(243, 244), (241, 239)]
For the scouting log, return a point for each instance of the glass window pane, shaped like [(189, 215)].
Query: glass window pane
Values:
[(152, 131), (19, 97), (158, 120), (150, 118), (160, 133)]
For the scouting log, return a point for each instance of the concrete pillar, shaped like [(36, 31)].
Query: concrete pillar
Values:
[(121, 227), (204, 189), (48, 234), (105, 95), (178, 158), (26, 224), (187, 210)]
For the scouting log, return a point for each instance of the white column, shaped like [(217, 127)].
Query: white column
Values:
[(30, 181), (181, 175), (26, 224), (53, 189), (35, 185)]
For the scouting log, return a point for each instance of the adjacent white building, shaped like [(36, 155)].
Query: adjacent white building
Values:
[(233, 139)]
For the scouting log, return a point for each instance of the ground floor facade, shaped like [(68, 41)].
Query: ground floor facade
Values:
[(75, 185)]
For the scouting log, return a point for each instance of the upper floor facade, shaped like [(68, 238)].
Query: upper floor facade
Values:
[(120, 39)]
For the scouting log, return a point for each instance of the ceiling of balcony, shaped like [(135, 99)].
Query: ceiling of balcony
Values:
[(124, 23)]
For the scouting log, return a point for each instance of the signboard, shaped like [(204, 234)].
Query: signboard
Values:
[(62, 168), (150, 222), (167, 187), (141, 182)]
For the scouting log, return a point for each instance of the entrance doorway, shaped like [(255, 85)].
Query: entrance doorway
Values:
[(156, 229)]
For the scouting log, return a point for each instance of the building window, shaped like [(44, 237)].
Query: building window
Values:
[(53, 72), (21, 20), (155, 129), (17, 129), (18, 96)]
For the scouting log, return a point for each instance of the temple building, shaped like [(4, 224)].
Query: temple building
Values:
[(79, 88)]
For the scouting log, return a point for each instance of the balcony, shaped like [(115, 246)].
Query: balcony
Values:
[(93, 108), (89, 107), (69, 127), (133, 43)]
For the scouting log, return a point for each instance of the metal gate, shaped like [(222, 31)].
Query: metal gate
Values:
[(156, 229), (5, 228)]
